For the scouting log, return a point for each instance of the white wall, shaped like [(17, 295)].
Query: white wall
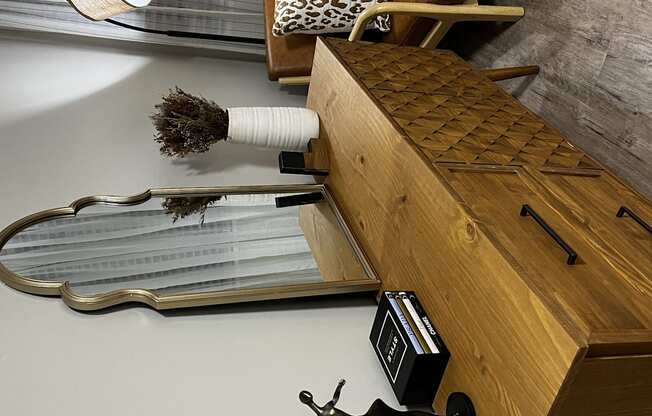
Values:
[(73, 122)]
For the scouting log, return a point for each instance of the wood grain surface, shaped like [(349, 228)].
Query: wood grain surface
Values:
[(524, 328), (512, 361), (595, 200), (595, 83), (595, 293), (453, 112)]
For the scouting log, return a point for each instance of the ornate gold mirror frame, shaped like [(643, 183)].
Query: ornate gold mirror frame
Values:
[(161, 302)]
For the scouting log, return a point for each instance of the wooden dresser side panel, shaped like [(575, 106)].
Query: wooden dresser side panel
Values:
[(610, 386), (509, 352)]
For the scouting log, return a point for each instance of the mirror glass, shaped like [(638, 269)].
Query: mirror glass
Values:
[(188, 244)]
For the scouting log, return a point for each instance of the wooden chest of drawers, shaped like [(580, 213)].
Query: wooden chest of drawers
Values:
[(432, 165)]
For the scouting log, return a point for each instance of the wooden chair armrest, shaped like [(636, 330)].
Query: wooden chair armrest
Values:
[(443, 13)]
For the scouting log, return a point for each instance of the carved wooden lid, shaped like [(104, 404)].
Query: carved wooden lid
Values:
[(452, 112)]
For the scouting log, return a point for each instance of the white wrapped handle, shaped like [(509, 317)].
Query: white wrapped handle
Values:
[(286, 128)]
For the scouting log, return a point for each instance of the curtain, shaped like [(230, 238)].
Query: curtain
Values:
[(243, 242), (241, 18)]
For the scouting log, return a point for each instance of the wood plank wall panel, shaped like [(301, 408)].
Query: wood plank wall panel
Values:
[(595, 83)]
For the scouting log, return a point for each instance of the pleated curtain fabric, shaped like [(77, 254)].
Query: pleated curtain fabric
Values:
[(240, 18), (244, 241)]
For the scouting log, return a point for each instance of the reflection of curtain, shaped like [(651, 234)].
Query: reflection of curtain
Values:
[(242, 18), (244, 242)]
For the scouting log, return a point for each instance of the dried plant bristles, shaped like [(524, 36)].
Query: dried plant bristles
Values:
[(186, 123)]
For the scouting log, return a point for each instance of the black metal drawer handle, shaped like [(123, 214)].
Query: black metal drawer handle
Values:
[(624, 210), (572, 255)]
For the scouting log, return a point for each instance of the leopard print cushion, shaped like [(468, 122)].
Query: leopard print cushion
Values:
[(322, 16)]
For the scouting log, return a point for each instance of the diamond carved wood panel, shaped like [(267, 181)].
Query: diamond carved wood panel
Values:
[(452, 112), (406, 69)]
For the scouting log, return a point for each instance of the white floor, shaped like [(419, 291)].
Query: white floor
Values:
[(73, 122)]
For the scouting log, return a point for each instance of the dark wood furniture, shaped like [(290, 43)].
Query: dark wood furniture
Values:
[(432, 164)]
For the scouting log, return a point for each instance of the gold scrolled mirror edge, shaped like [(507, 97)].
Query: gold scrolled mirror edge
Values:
[(77, 251)]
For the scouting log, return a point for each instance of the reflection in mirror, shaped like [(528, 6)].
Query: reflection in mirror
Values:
[(186, 245)]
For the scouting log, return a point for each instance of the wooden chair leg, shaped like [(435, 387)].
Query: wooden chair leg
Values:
[(440, 29), (500, 74), (294, 80), (436, 34)]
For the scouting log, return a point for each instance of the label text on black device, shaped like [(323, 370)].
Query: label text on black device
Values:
[(391, 346)]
